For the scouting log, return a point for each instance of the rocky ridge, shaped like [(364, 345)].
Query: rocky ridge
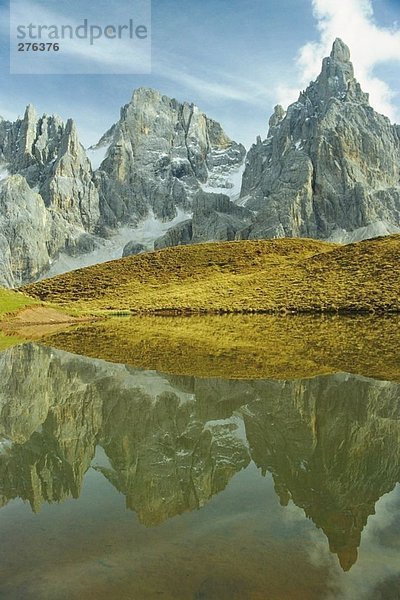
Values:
[(54, 199), (48, 198), (328, 169), (329, 165), (158, 155), (215, 217)]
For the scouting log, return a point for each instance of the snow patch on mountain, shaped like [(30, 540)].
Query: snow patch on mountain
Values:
[(4, 173), (145, 233), (225, 182), (378, 229)]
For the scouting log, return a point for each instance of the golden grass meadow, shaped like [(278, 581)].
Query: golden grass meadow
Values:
[(284, 275)]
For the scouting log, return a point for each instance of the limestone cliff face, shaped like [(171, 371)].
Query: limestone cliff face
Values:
[(329, 163), (49, 200), (48, 154), (70, 188), (25, 232), (30, 145), (158, 154)]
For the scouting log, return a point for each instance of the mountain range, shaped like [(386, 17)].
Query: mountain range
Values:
[(166, 174)]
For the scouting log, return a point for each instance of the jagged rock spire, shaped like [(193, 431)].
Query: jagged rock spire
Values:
[(340, 51), (70, 142), (337, 76), (276, 118), (29, 126)]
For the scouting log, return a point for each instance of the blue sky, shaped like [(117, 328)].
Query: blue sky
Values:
[(234, 59)]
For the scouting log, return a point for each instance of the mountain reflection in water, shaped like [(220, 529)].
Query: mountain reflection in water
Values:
[(169, 443)]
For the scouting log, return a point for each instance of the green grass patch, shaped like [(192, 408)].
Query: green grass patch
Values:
[(6, 341), (11, 302)]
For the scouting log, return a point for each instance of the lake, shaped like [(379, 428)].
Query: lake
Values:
[(129, 483)]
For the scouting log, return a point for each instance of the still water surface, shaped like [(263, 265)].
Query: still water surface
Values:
[(131, 484)]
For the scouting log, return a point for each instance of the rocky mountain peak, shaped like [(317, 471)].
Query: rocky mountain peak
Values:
[(30, 144), (159, 154), (277, 116), (28, 134), (151, 163), (340, 51), (275, 119), (70, 186), (143, 94), (336, 79), (70, 143), (48, 197), (30, 115), (330, 163), (147, 104)]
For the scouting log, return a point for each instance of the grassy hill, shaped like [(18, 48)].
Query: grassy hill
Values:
[(294, 275)]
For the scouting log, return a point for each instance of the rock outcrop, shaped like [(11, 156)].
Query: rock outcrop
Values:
[(26, 232), (31, 145), (133, 248), (215, 217), (48, 154), (49, 201), (329, 163)]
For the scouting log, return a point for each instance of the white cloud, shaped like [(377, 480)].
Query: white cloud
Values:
[(370, 45), (217, 85)]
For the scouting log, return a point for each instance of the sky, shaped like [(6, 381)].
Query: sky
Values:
[(234, 59)]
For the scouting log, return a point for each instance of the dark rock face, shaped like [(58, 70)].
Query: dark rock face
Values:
[(133, 248), (330, 163), (179, 235), (215, 217)]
